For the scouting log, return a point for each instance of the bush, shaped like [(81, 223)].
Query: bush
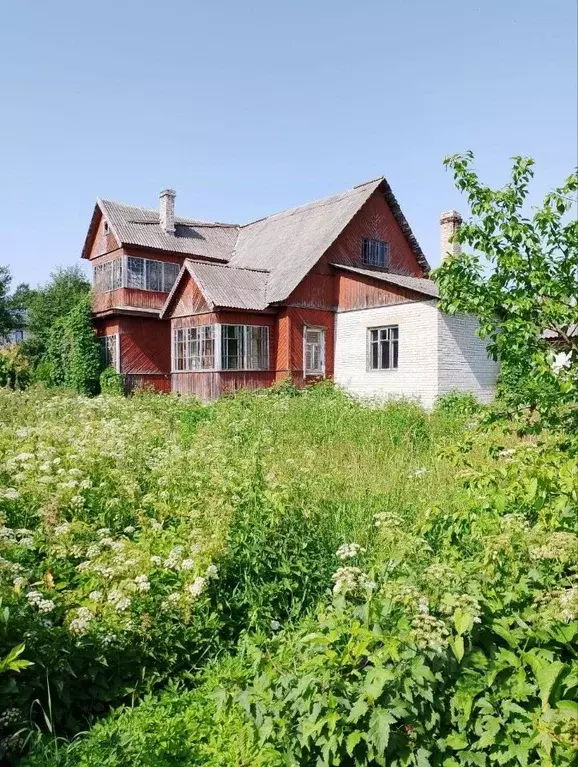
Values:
[(458, 403), (111, 382)]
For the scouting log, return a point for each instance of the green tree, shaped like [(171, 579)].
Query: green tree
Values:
[(50, 303), (520, 279), (72, 351), (7, 317)]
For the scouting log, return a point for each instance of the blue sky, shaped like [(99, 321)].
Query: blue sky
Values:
[(247, 108)]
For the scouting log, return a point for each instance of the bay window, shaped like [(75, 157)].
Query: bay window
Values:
[(133, 272), (194, 348), (244, 347)]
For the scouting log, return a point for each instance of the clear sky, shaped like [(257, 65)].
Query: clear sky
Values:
[(247, 108)]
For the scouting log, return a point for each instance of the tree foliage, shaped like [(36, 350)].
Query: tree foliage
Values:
[(51, 303), (520, 279), (72, 350), (7, 318)]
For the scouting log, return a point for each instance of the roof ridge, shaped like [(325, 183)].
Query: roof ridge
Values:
[(227, 265)]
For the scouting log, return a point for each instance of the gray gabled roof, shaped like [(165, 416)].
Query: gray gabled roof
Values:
[(140, 227), (418, 284), (225, 286), (287, 245), (290, 243)]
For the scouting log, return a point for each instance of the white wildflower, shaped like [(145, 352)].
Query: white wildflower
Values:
[(129, 529), (196, 587), (349, 550), (156, 560), (187, 564), (142, 582), (96, 596), (212, 571), (275, 625)]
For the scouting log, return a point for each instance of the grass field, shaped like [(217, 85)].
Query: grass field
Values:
[(283, 578)]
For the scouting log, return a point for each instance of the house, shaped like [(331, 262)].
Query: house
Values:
[(18, 333), (337, 288)]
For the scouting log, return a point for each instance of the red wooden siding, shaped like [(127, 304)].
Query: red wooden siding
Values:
[(102, 242), (358, 292), (208, 386), (317, 318), (160, 383), (128, 298), (188, 300), (374, 220), (316, 291), (145, 346)]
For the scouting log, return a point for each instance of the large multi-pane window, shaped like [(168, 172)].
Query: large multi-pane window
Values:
[(374, 252), (194, 348), (314, 350), (146, 274), (108, 276), (109, 351), (132, 272), (383, 347), (244, 347)]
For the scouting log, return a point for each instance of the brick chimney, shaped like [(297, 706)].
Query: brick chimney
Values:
[(449, 224), (167, 210)]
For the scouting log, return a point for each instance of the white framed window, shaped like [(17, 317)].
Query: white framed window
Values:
[(110, 351), (313, 351), (383, 348), (133, 272), (108, 276), (194, 348), (374, 252), (244, 347)]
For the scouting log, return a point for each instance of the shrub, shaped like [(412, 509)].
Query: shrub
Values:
[(111, 382), (458, 403)]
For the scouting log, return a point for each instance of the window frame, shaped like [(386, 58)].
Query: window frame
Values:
[(188, 342), (369, 242), (114, 274), (393, 351), (245, 348), (104, 342), (322, 345)]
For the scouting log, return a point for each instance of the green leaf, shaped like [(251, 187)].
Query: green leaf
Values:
[(457, 646), (463, 621), (352, 740), (379, 728), (547, 676), (358, 710), (457, 741)]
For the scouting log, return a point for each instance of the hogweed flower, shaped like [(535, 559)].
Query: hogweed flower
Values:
[(142, 582), (429, 633), (351, 579), (349, 550), (197, 587), (387, 519), (80, 624)]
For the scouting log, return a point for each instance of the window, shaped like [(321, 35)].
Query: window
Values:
[(108, 276), (374, 252), (245, 347), (18, 336), (383, 348), (194, 348), (314, 350), (139, 273), (105, 227), (109, 352)]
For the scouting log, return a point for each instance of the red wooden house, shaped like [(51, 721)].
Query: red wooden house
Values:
[(337, 288)]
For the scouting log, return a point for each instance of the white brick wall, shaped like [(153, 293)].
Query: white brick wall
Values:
[(416, 375), (436, 354), (463, 362)]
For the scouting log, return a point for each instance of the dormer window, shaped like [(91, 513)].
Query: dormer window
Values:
[(374, 252)]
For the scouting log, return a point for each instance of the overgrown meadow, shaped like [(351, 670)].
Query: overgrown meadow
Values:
[(284, 578)]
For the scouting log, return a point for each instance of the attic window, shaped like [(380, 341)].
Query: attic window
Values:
[(105, 227), (374, 252)]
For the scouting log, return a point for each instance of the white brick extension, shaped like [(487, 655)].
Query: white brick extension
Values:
[(437, 353)]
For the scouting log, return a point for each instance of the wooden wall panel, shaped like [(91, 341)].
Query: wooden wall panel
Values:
[(316, 291), (160, 383), (298, 319), (358, 292), (128, 298), (145, 346), (208, 386), (188, 299), (376, 221)]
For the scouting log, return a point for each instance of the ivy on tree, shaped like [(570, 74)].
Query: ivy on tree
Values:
[(520, 279)]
